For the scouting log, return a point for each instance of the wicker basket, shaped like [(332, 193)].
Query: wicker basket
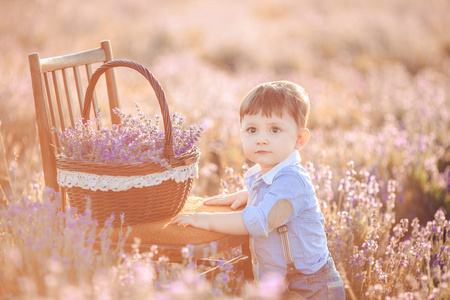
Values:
[(141, 203)]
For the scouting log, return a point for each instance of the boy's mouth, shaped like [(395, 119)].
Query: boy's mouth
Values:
[(262, 152)]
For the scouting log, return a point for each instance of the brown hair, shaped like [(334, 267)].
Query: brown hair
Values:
[(275, 98)]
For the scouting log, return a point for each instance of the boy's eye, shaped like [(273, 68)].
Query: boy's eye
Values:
[(275, 130), (251, 130)]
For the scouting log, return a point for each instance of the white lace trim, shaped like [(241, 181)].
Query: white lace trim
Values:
[(96, 182)]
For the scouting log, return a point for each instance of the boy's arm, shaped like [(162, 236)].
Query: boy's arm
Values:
[(279, 213), (233, 222), (236, 200), (229, 222)]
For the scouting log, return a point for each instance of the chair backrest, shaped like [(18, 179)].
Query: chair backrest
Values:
[(58, 89)]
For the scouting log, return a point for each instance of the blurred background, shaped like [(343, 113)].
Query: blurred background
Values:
[(377, 73)]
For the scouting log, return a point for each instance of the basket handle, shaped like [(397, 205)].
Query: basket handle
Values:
[(168, 144)]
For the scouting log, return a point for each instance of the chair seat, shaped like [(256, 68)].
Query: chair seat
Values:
[(171, 239)]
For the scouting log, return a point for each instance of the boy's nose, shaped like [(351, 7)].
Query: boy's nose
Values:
[(262, 139)]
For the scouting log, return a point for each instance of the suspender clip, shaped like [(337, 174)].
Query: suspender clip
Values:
[(291, 268), (282, 229)]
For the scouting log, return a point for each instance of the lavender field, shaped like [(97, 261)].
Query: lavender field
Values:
[(377, 73)]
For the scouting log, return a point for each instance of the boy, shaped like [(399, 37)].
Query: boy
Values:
[(282, 215)]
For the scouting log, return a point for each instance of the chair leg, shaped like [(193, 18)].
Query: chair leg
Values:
[(64, 201), (247, 264)]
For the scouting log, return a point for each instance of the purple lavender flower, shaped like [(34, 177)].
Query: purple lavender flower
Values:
[(134, 140)]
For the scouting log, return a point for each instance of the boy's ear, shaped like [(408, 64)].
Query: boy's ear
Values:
[(302, 138)]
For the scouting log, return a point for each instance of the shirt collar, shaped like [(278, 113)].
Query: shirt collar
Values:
[(293, 159)]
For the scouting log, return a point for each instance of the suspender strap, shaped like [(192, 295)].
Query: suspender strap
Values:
[(289, 259)]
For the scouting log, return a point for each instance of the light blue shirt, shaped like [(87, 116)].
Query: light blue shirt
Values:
[(287, 180)]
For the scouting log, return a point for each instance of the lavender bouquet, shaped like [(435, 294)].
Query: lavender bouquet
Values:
[(136, 139)]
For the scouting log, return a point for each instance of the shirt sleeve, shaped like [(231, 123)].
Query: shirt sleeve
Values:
[(255, 221), (286, 185)]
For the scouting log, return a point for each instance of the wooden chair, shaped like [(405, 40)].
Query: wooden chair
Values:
[(58, 89)]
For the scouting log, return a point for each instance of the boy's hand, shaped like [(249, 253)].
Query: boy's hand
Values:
[(235, 200), (229, 222), (199, 220)]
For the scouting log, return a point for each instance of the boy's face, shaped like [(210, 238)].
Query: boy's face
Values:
[(270, 140)]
